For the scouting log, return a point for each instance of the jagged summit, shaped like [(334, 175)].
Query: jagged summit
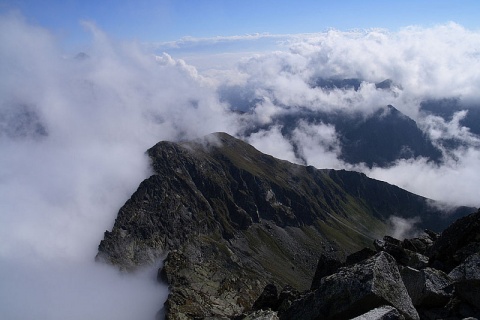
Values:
[(233, 219)]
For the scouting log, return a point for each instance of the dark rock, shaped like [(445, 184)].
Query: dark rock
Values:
[(359, 256), (427, 287), (419, 245), (325, 267), (456, 243), (392, 241), (467, 279), (455, 309), (355, 290), (416, 260), (259, 315), (432, 234), (381, 313), (286, 298), (403, 256), (268, 299), (393, 247)]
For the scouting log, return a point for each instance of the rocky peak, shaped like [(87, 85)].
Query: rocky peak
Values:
[(386, 285), (230, 220)]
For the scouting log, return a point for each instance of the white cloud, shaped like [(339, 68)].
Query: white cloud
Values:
[(318, 144), (423, 63), (50, 290), (401, 228), (454, 182), (440, 129), (272, 142), (73, 136)]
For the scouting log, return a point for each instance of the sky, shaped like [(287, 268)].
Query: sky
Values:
[(73, 132), (170, 20)]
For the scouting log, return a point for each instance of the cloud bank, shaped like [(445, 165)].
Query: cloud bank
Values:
[(73, 136), (74, 129), (420, 64)]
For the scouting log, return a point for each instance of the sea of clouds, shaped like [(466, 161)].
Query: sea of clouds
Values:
[(74, 131)]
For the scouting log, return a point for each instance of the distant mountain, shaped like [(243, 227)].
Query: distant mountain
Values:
[(384, 137), (379, 139), (233, 219), (445, 108), (21, 121), (333, 83), (349, 83)]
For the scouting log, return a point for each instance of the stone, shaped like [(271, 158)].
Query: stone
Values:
[(460, 240), (260, 315), (416, 260), (403, 256), (268, 299), (467, 279), (286, 298), (359, 256), (427, 287), (393, 247), (325, 267), (381, 313), (355, 290), (418, 245)]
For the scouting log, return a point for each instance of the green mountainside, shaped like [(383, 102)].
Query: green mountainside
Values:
[(230, 219)]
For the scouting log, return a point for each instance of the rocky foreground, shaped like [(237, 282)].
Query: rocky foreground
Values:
[(430, 277), (230, 220)]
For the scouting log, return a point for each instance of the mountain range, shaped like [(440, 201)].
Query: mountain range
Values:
[(377, 139)]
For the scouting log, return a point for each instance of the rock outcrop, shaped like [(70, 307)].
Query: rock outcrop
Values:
[(231, 220), (386, 286), (354, 290)]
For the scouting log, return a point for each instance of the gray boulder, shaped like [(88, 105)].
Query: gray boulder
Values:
[(403, 256), (427, 287), (456, 243), (467, 279), (325, 267), (287, 296), (381, 313), (261, 315), (268, 299), (355, 290)]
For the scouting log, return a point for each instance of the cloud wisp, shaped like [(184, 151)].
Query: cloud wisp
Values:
[(73, 136)]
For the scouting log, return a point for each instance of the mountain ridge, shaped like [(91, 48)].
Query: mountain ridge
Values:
[(233, 219)]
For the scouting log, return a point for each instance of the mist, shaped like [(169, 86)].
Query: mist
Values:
[(74, 129), (73, 134)]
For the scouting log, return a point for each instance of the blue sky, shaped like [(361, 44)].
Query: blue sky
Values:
[(169, 20)]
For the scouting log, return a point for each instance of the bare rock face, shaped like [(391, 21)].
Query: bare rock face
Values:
[(392, 285), (427, 287), (268, 299), (456, 243), (260, 315), (355, 290), (401, 254), (467, 279), (325, 267)]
